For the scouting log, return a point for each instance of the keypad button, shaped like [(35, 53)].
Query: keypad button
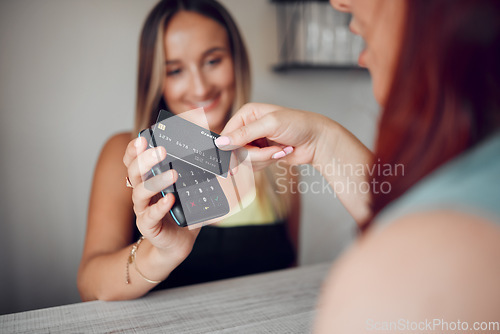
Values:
[(201, 199)]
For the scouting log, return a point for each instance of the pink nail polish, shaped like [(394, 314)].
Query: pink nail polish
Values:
[(222, 141), (288, 149), (279, 155)]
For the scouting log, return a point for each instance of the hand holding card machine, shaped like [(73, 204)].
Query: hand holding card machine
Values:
[(198, 194)]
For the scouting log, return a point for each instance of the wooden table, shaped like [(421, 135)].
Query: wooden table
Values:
[(278, 302)]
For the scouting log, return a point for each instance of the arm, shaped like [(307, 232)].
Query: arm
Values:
[(343, 161), (294, 214), (110, 222), (436, 265), (300, 137)]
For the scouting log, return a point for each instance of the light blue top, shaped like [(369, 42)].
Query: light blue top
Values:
[(469, 183)]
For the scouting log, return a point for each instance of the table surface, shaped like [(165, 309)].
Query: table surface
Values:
[(277, 302)]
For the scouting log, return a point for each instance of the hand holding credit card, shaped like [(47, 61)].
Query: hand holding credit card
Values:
[(191, 143), (203, 191)]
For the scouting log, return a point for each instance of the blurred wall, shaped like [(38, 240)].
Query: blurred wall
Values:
[(67, 79)]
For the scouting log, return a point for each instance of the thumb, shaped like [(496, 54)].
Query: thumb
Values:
[(264, 127)]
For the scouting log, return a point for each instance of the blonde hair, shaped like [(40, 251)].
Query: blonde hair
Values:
[(151, 69)]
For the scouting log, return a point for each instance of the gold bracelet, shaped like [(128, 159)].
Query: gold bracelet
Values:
[(131, 259)]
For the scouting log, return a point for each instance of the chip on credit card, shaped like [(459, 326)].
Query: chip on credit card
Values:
[(191, 143)]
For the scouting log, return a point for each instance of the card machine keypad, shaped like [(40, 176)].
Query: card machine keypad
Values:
[(198, 195)]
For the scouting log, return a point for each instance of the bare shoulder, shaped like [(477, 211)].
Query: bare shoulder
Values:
[(436, 265), (116, 145), (110, 206), (122, 138), (110, 170)]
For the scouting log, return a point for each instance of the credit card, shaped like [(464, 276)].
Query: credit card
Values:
[(191, 143)]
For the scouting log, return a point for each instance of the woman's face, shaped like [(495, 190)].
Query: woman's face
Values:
[(199, 68), (380, 23)]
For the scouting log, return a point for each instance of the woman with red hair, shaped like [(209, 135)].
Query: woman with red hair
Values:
[(427, 259)]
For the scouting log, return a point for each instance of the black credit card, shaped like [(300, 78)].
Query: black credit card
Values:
[(191, 143)]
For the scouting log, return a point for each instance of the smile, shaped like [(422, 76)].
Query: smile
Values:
[(207, 104)]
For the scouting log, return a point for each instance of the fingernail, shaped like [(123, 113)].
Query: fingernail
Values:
[(279, 155), (288, 149), (165, 200), (222, 141), (137, 142), (159, 151), (168, 175)]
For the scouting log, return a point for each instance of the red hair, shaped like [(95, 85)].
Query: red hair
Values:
[(445, 94)]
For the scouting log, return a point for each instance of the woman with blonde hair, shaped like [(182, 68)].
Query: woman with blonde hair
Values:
[(191, 55)]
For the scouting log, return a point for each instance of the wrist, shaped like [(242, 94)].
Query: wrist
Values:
[(166, 257), (169, 257), (327, 136), (150, 263)]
